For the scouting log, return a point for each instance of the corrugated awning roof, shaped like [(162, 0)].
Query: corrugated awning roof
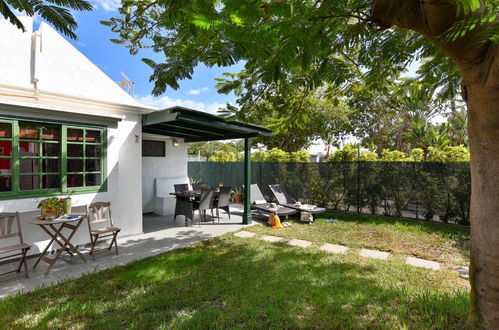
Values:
[(193, 126)]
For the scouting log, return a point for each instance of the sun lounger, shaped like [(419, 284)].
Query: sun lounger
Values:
[(259, 203), (283, 198)]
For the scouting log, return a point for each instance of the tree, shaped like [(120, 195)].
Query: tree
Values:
[(56, 12), (349, 43)]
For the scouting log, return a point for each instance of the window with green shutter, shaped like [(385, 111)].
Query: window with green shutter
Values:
[(43, 159)]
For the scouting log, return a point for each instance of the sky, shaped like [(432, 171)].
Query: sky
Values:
[(94, 42)]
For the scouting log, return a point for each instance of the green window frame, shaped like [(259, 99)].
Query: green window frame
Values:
[(45, 169)]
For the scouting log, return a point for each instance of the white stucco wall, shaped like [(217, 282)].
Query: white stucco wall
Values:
[(78, 92), (173, 165)]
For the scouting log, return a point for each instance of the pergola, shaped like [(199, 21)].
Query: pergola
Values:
[(197, 126)]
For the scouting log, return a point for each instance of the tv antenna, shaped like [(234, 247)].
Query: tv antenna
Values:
[(127, 83)]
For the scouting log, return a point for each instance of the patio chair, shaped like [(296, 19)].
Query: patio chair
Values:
[(223, 201), (283, 198), (205, 203), (101, 213), (259, 203), (14, 250), (181, 187), (197, 186)]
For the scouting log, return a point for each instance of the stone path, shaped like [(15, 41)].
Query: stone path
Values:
[(334, 248), (271, 238), (367, 253), (300, 243), (422, 263), (374, 254), (244, 234)]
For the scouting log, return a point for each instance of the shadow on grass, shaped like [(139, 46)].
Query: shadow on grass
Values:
[(229, 283)]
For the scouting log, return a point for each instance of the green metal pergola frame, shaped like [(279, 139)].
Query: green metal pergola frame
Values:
[(196, 126)]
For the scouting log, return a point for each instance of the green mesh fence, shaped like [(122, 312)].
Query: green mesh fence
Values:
[(427, 191)]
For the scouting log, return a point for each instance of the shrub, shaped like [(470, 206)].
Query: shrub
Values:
[(277, 155), (259, 156), (393, 156), (301, 156), (222, 156), (347, 154)]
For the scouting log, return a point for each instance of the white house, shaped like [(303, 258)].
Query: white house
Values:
[(67, 128)]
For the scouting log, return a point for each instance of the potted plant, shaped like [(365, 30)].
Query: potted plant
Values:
[(50, 207), (238, 195)]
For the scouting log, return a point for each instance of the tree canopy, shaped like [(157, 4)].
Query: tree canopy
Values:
[(56, 12)]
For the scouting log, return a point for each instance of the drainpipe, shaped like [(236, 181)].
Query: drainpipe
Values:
[(247, 182), (36, 47)]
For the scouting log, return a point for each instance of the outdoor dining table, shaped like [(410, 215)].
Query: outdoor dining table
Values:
[(188, 197), (54, 229)]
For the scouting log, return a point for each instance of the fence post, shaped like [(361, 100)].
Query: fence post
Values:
[(358, 178)]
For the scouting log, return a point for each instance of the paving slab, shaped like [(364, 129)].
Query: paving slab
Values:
[(375, 254), (244, 234), (334, 248), (422, 263), (300, 243), (270, 238)]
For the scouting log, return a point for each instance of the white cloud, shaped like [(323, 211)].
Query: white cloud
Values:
[(198, 91), (166, 102), (108, 5)]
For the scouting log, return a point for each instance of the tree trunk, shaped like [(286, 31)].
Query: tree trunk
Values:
[(479, 67), (483, 109)]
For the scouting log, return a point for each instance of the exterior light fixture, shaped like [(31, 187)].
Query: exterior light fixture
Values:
[(175, 142)]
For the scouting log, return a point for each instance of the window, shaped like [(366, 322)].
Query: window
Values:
[(152, 148), (39, 159)]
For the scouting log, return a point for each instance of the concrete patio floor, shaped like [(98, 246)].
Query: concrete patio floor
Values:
[(161, 234)]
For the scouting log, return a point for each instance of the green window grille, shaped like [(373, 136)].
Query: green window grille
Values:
[(45, 159)]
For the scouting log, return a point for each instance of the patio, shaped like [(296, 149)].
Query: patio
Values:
[(160, 235)]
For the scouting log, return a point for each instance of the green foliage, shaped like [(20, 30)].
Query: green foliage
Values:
[(49, 203), (277, 155), (259, 156), (368, 156), (417, 154), (207, 149), (392, 156), (449, 154), (56, 12), (222, 156), (301, 156), (349, 153)]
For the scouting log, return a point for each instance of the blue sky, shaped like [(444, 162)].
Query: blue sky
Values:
[(93, 42)]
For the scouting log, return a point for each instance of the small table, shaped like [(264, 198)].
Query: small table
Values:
[(54, 229)]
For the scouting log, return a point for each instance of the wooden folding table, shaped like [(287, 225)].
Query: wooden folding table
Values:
[(54, 229)]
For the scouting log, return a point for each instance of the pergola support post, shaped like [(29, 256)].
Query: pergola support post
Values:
[(247, 182)]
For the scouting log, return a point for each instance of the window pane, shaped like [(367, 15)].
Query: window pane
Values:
[(93, 136), (5, 183), (75, 180), (75, 165), (29, 165), (75, 150), (92, 179), (29, 149), (29, 182), (5, 130), (5, 148), (51, 149), (92, 151), (92, 165), (28, 132), (51, 181), (5, 166), (51, 133), (75, 135), (50, 165)]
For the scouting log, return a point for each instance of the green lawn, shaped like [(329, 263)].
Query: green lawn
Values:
[(231, 282)]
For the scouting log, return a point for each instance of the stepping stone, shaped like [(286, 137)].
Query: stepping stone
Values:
[(244, 234), (422, 263), (375, 254), (334, 248), (271, 238), (463, 271), (300, 243)]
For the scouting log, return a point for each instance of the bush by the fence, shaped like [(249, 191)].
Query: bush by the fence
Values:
[(431, 191)]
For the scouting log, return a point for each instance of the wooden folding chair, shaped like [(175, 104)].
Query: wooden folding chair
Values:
[(6, 232), (100, 213)]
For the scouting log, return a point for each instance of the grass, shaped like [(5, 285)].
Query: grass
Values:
[(230, 282)]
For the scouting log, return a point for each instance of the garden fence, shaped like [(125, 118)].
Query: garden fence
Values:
[(420, 190)]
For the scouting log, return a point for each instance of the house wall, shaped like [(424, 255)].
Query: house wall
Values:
[(124, 181), (42, 76), (172, 168)]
